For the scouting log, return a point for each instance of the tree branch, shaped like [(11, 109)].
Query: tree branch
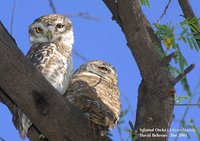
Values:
[(155, 106), (189, 14), (186, 71), (168, 58), (186, 104), (22, 84)]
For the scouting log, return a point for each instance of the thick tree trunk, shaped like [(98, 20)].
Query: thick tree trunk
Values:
[(155, 100)]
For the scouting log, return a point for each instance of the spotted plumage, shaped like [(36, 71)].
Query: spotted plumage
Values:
[(51, 39), (93, 89)]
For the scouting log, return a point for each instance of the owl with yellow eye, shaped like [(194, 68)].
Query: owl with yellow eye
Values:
[(51, 40)]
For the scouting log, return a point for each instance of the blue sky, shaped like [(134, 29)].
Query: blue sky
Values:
[(102, 40)]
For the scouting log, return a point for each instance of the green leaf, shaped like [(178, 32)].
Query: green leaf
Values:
[(184, 39), (145, 3), (194, 43), (178, 99), (190, 43), (174, 70), (186, 86)]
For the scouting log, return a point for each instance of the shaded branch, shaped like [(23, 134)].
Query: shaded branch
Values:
[(189, 14), (22, 84)]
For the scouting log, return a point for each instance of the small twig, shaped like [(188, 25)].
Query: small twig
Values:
[(180, 125), (168, 58), (164, 12), (128, 103), (12, 19), (184, 115), (182, 75), (120, 133), (84, 15), (52, 6), (134, 133), (1, 139), (85, 59), (187, 104), (131, 125)]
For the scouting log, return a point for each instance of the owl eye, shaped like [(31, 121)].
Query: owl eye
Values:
[(104, 69), (59, 26), (38, 30)]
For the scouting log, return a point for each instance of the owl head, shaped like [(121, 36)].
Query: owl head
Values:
[(50, 28), (100, 69)]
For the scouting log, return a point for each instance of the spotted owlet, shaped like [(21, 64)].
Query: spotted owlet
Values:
[(93, 89), (51, 39)]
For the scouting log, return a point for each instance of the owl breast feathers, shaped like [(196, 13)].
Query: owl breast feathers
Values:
[(51, 40), (93, 89)]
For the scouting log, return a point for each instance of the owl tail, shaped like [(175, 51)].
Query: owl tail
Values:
[(21, 122)]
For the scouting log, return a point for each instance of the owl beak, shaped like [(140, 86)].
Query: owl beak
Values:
[(49, 35)]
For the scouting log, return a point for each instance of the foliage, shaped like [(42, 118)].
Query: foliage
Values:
[(178, 99), (188, 33), (190, 125), (166, 33), (145, 3)]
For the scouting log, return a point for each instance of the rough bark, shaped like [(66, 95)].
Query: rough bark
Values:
[(23, 85), (155, 103), (189, 14)]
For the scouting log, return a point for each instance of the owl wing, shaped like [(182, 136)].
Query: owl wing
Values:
[(84, 94)]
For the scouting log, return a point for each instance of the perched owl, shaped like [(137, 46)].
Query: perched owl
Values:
[(51, 39), (93, 89)]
